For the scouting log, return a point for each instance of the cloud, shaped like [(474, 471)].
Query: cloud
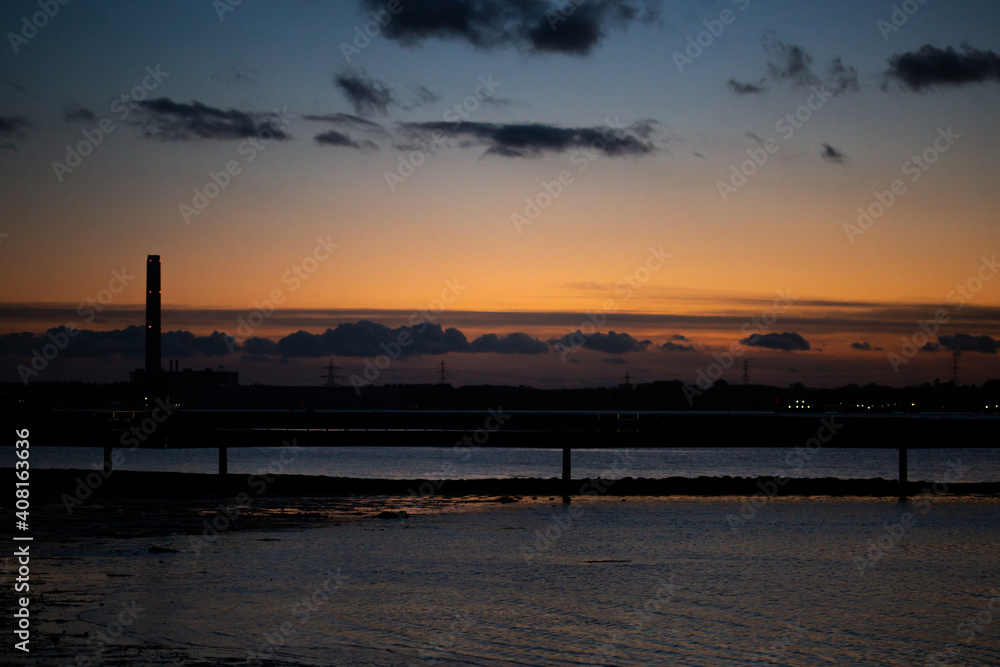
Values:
[(615, 361), (610, 343), (129, 342), (791, 63), (186, 344), (513, 343), (368, 96), (175, 121), (370, 339), (335, 138), (967, 343), (746, 88), (238, 75), (831, 154), (348, 122), (864, 347), (529, 140), (786, 342), (79, 115), (12, 126), (930, 66), (930, 347), (538, 26), (671, 346)]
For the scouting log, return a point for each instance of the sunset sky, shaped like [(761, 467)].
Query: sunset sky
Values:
[(503, 169)]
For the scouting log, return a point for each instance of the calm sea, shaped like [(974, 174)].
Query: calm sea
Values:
[(448, 463), (602, 582)]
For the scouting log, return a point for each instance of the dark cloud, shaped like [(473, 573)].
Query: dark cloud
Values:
[(791, 63), (366, 95), (79, 115), (369, 339), (967, 343), (746, 88), (260, 347), (930, 66), (787, 342), (128, 342), (671, 346), (930, 347), (237, 75), (12, 126), (530, 140), (539, 26), (831, 154), (514, 343), (185, 344), (615, 361), (347, 120), (610, 343), (864, 347), (175, 121), (335, 138), (842, 77)]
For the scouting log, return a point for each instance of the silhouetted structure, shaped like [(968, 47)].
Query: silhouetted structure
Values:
[(153, 325)]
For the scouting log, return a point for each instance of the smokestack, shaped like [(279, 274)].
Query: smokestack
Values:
[(153, 363)]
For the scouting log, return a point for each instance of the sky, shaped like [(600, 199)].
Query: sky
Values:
[(532, 192)]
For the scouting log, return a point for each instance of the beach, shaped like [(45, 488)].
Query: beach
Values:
[(501, 580)]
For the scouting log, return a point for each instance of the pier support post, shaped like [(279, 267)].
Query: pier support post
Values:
[(109, 465), (223, 461), (567, 473), (902, 474)]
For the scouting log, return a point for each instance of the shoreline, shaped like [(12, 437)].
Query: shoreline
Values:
[(85, 484)]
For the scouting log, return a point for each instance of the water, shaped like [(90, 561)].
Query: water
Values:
[(446, 462), (642, 582)]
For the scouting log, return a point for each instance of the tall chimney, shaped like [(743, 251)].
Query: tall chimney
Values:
[(153, 367)]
